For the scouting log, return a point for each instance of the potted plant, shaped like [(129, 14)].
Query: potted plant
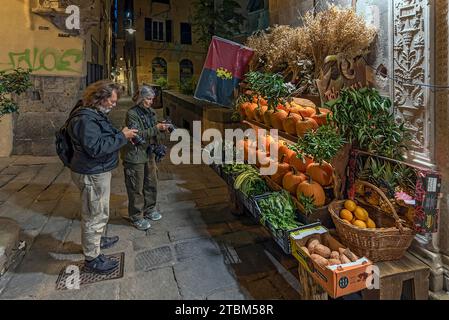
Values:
[(12, 83)]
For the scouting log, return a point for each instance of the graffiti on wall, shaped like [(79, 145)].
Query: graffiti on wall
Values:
[(49, 59)]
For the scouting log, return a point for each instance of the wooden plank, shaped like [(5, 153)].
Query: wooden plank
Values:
[(405, 265)]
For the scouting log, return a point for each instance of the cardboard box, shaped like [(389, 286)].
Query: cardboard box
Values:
[(338, 280)]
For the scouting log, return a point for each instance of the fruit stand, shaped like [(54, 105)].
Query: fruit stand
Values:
[(343, 197)]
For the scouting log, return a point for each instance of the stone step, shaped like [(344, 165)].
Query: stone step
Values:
[(9, 240)]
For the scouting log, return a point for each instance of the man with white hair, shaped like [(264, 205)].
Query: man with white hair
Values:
[(139, 160)]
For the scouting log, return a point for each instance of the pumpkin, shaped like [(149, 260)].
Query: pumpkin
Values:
[(292, 180), (267, 117), (321, 173), (312, 189), (304, 125), (243, 108), (299, 164), (321, 116), (305, 103), (250, 111), (282, 169), (290, 123), (262, 159), (284, 150), (258, 113), (265, 143), (277, 119)]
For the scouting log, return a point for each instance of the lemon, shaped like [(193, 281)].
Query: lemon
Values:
[(361, 214), (350, 205), (346, 215), (360, 224)]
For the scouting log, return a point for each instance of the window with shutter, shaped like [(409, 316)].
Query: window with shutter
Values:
[(186, 33)]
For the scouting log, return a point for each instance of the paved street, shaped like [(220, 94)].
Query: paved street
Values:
[(199, 250)]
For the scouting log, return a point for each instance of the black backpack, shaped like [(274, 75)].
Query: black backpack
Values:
[(63, 142)]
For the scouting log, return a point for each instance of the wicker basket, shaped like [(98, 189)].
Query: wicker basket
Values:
[(389, 242)]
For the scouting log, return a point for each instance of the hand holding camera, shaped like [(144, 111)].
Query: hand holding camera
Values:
[(129, 133)]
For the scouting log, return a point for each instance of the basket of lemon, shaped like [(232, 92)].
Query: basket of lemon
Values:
[(368, 231)]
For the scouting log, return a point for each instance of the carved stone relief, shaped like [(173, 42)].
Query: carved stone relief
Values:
[(412, 66)]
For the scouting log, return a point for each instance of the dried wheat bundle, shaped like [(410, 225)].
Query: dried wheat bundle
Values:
[(336, 31)]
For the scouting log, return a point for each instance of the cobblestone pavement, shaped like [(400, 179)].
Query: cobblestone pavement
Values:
[(199, 250)]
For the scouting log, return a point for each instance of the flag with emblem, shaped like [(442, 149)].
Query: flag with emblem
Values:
[(222, 72)]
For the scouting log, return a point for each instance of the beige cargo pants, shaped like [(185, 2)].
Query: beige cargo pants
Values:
[(95, 194)]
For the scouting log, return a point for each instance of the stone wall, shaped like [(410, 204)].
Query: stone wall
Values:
[(37, 121)]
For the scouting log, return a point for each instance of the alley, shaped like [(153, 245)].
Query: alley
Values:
[(199, 250)]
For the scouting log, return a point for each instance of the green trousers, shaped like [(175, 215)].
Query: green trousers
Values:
[(141, 185)]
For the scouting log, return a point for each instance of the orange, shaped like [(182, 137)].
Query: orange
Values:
[(360, 224), (346, 215), (361, 214), (350, 205), (370, 224)]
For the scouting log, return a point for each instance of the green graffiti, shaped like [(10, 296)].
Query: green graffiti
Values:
[(49, 59)]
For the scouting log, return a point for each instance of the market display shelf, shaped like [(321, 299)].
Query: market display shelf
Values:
[(284, 135), (249, 204)]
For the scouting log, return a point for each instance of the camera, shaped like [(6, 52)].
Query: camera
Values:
[(171, 126), (137, 140)]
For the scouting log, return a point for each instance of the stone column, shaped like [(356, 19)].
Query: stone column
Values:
[(441, 126)]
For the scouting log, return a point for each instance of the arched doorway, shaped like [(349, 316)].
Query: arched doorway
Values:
[(159, 69), (185, 70)]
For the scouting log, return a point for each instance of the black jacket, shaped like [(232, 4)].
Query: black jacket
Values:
[(95, 142)]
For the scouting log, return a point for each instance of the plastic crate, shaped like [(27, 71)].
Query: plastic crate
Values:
[(249, 204), (281, 237)]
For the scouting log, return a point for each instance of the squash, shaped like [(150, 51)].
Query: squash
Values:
[(267, 117), (249, 110), (265, 143), (282, 169), (290, 123), (304, 125), (321, 116), (277, 119), (321, 173), (292, 179), (299, 164), (312, 189), (259, 112), (242, 109), (262, 159), (304, 102), (284, 150)]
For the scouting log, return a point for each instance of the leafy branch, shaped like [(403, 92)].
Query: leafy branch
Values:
[(15, 82)]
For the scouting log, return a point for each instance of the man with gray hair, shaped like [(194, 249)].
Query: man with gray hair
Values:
[(139, 160), (96, 144)]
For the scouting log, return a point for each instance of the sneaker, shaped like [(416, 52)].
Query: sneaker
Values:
[(108, 242), (101, 265), (153, 216), (141, 224)]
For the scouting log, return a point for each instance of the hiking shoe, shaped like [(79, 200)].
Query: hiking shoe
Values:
[(101, 265), (153, 216), (141, 224), (108, 242)]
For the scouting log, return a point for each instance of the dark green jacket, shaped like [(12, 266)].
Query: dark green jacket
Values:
[(137, 154)]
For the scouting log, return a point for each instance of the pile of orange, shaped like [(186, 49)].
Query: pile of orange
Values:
[(357, 216)]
